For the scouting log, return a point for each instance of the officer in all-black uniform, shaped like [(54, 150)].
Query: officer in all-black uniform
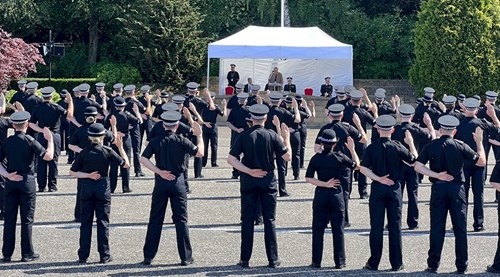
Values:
[(295, 138), (18, 95), (288, 118), (48, 114), (117, 91), (326, 88), (343, 131), (91, 167), (253, 97), (169, 151), (232, 76), (164, 96), (383, 107), (383, 163), (475, 176), (236, 121), (64, 128), (147, 122), (135, 131), (101, 96), (495, 182), (5, 124), (291, 88), (354, 107), (491, 98), (305, 113), (259, 147), (334, 99), (409, 177), (233, 101), (123, 120), (446, 157), (427, 105), (328, 203), (29, 101), (72, 127), (83, 102), (158, 129), (450, 109), (210, 129), (18, 153), (460, 99), (79, 141)]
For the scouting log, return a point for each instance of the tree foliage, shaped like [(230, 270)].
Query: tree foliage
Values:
[(457, 46), (17, 58)]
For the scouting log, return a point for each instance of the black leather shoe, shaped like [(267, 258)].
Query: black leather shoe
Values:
[(401, 267), (2, 217), (199, 176), (106, 260), (54, 189), (364, 196), (369, 267), (259, 221), (215, 165), (274, 264), (460, 271), (285, 194), (295, 177), (187, 262), (478, 229), (80, 261), (413, 227), (347, 225), (431, 270), (243, 264), (234, 177), (31, 258), (7, 259), (491, 269), (41, 190), (127, 191), (140, 174), (315, 265), (340, 266), (147, 261)]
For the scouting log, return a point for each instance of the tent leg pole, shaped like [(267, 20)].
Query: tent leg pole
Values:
[(208, 73)]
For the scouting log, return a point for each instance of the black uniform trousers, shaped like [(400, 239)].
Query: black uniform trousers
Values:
[(135, 137), (163, 191), (78, 204), (50, 179), (185, 174), (65, 135), (447, 196), (234, 136), (71, 154), (295, 145), (362, 183), (95, 197), (496, 261), (303, 137), (145, 128), (281, 166), (210, 136), (258, 192), (346, 184), (124, 172), (384, 198), (328, 206), (410, 182), (19, 195), (2, 189), (475, 177), (198, 162)]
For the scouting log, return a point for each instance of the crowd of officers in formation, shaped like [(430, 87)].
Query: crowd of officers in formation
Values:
[(447, 140)]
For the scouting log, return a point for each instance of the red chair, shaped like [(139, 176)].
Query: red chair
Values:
[(229, 90), (308, 91)]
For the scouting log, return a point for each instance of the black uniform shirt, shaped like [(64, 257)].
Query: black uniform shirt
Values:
[(130, 105), (80, 138), (232, 102), (96, 158), (238, 116), (5, 124), (420, 135), (18, 152), (326, 89), (211, 116), (123, 120), (291, 88), (158, 110), (447, 154), (232, 78), (433, 112), (170, 151), (343, 130), (259, 147), (384, 157), (482, 113), (48, 115), (198, 103), (495, 174), (62, 103), (468, 126), (251, 100), (364, 116), (303, 115), (17, 97), (159, 130), (30, 101), (453, 112), (331, 101), (283, 115), (384, 108), (328, 165), (81, 104)]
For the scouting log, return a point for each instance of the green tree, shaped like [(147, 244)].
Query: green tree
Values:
[(457, 46), (165, 41)]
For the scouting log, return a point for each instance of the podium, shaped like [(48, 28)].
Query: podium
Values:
[(275, 87)]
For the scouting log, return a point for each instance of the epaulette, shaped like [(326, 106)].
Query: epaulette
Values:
[(346, 123), (30, 138), (107, 147)]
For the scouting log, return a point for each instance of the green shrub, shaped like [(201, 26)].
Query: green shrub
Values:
[(111, 73), (58, 84)]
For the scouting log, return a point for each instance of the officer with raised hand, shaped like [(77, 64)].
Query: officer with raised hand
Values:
[(383, 163), (446, 157), (18, 95), (233, 101), (64, 128), (155, 117), (210, 128), (236, 121), (305, 113), (259, 147), (91, 167), (169, 151), (147, 123), (135, 131), (18, 153)]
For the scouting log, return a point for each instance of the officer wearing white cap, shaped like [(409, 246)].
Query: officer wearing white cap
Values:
[(18, 153), (429, 106), (383, 163), (334, 99), (326, 89), (295, 137), (409, 177), (159, 130), (491, 98), (157, 109), (233, 101), (474, 175), (446, 157), (147, 121), (291, 88), (117, 91), (48, 115), (236, 121), (328, 203), (91, 167), (210, 129), (383, 107), (170, 185), (254, 97), (64, 128), (20, 93), (83, 102), (449, 102), (354, 108), (259, 147), (124, 119), (101, 96), (30, 100), (288, 118), (199, 104)]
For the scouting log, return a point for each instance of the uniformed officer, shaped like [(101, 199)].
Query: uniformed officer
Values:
[(101, 96), (83, 102), (495, 182), (5, 124), (491, 98), (259, 147), (427, 105), (295, 138), (328, 203), (64, 128), (164, 96), (305, 113), (475, 176), (288, 118), (29, 101), (254, 97), (232, 76), (18, 95), (147, 123), (291, 88), (236, 121), (169, 151), (117, 91), (72, 127), (233, 101), (326, 88), (18, 153), (123, 120), (334, 99), (383, 107), (409, 177), (383, 163), (135, 131), (449, 102), (342, 98), (91, 167), (210, 129), (48, 114), (446, 157)]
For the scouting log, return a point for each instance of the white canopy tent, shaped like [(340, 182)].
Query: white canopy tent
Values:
[(306, 54)]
